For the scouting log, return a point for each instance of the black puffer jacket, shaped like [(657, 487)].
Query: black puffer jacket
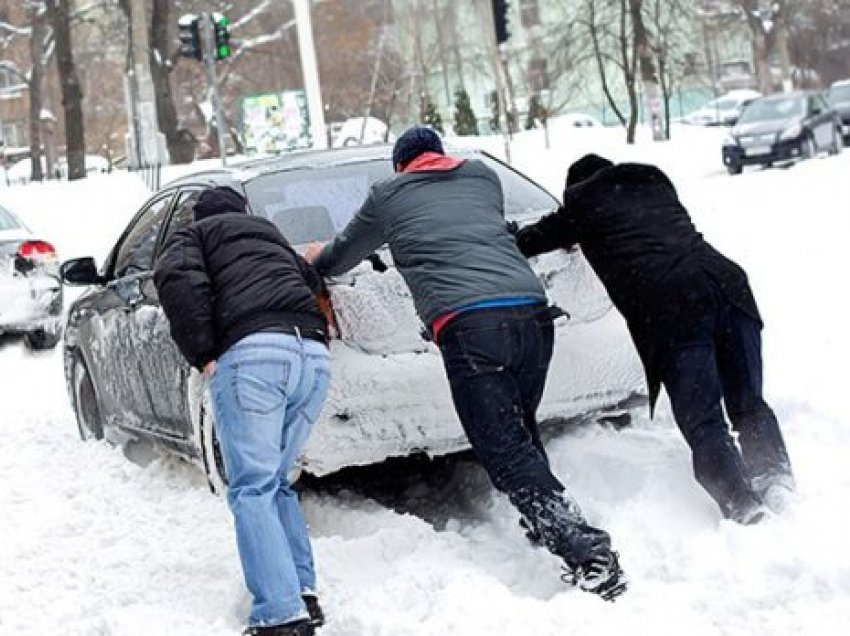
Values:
[(230, 275), (659, 271)]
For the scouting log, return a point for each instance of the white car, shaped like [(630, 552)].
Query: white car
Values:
[(354, 132), (722, 111), (389, 395), (30, 289)]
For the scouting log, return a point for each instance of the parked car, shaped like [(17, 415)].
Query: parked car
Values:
[(353, 132), (782, 127), (30, 289), (839, 98), (723, 111), (388, 394)]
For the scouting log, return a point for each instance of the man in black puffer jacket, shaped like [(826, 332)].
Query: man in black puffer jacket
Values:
[(692, 316), (242, 307)]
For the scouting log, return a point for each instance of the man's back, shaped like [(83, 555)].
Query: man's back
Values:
[(446, 232)]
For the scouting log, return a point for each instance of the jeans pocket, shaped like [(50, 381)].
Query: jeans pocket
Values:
[(261, 385), (485, 349), (318, 392)]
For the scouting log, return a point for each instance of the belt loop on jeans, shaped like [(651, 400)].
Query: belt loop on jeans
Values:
[(298, 336)]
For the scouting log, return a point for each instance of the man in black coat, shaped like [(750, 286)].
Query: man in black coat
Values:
[(693, 319), (242, 307)]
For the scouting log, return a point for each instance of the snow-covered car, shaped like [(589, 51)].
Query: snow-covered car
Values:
[(781, 128), (723, 111), (358, 131), (30, 288), (388, 396), (839, 98)]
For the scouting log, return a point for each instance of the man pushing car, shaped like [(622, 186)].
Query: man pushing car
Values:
[(443, 220)]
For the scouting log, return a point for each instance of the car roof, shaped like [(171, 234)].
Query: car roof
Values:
[(844, 82), (245, 171)]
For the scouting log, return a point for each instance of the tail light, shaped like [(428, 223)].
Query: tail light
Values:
[(33, 253)]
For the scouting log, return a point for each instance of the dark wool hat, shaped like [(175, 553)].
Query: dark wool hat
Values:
[(585, 168), (413, 143), (219, 200)]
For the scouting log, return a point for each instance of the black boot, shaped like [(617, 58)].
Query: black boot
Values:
[(600, 575), (317, 616), (297, 628)]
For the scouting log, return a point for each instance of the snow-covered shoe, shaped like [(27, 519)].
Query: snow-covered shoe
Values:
[(777, 491), (317, 616), (297, 628), (747, 511), (600, 575)]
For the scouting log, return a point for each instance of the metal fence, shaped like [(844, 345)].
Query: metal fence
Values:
[(151, 175)]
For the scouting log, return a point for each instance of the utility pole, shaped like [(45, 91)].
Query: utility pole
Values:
[(310, 71), (148, 144), (207, 26), (489, 22)]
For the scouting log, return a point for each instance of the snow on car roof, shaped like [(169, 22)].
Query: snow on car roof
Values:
[(299, 160)]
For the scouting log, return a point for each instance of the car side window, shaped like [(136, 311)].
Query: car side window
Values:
[(135, 255), (822, 103), (184, 213)]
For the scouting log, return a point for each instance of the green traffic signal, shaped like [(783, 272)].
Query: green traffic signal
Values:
[(223, 52)]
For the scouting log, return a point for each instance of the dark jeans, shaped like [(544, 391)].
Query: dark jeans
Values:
[(496, 361), (720, 362)]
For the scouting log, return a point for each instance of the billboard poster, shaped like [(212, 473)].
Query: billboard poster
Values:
[(276, 122)]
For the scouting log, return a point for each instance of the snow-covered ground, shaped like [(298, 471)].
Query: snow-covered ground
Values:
[(91, 543)]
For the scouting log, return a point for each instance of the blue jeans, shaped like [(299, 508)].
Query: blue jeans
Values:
[(267, 391), (720, 363), (496, 362)]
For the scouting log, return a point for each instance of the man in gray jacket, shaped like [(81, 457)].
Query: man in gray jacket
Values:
[(443, 219)]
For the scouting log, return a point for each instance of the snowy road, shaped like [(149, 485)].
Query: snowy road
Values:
[(92, 544)]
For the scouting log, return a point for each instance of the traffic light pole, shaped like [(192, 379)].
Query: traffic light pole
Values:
[(495, 59), (208, 43)]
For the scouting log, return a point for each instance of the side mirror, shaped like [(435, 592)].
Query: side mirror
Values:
[(80, 271), (730, 121)]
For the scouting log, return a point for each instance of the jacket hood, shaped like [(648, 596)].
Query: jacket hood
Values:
[(585, 168), (433, 162), (219, 200)]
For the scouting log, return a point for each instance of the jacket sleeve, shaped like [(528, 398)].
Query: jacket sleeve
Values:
[(553, 231), (362, 236), (185, 293)]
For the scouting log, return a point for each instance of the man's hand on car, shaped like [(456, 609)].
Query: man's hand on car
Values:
[(313, 251)]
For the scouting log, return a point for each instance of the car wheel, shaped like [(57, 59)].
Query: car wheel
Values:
[(837, 142), (810, 150), (89, 421), (211, 449), (734, 168), (42, 339)]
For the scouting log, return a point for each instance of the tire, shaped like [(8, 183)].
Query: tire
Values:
[(837, 142), (734, 168), (210, 448), (809, 150), (86, 408), (42, 339)]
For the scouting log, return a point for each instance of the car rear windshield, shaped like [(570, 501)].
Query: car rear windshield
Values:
[(7, 221), (773, 109), (839, 94), (314, 204)]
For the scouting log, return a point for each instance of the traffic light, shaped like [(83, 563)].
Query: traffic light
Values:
[(500, 19), (190, 37), (221, 24)]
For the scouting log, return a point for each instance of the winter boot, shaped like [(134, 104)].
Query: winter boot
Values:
[(317, 616), (777, 491), (746, 508), (601, 574), (297, 628), (531, 534)]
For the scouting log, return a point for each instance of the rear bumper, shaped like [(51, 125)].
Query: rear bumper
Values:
[(29, 303), (751, 156)]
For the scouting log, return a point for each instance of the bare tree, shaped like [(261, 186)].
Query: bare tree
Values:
[(58, 13), (769, 31)]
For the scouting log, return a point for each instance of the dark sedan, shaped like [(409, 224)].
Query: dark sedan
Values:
[(781, 128), (839, 97), (388, 394)]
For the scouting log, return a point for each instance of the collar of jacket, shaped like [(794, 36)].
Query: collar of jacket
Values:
[(433, 162)]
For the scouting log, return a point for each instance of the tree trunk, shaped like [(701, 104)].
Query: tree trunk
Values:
[(600, 64), (36, 82), (649, 79), (780, 29), (72, 92), (629, 74), (181, 147)]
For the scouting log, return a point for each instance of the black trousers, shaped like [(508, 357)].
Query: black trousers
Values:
[(496, 361), (719, 363)]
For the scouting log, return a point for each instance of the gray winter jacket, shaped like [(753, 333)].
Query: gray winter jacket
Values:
[(446, 232)]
